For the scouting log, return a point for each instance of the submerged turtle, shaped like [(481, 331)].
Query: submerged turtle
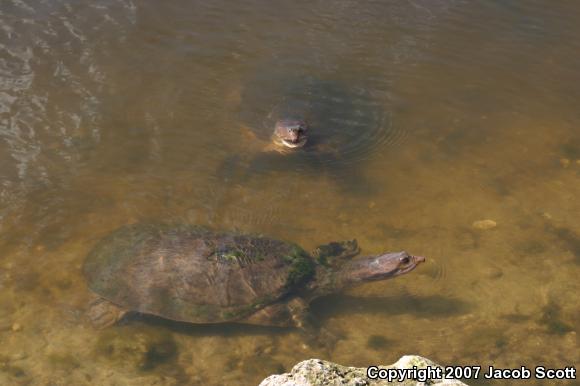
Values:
[(192, 274), (309, 125)]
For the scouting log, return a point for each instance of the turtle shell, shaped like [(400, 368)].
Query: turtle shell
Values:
[(193, 274)]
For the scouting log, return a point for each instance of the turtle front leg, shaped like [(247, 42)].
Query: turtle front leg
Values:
[(102, 313), (327, 254), (294, 313), (285, 314), (314, 335)]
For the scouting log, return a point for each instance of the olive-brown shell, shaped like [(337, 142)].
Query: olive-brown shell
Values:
[(193, 274)]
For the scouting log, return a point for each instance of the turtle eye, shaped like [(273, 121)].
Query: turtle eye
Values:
[(405, 260)]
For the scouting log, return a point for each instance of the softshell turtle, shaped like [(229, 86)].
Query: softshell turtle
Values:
[(308, 124), (193, 274)]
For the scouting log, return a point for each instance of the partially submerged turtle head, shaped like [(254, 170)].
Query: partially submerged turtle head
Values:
[(290, 133), (351, 272)]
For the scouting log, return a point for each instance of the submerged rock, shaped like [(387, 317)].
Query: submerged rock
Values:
[(484, 224), (314, 372)]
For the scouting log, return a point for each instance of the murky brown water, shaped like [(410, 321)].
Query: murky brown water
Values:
[(123, 111)]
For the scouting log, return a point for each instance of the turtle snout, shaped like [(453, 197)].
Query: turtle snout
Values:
[(295, 134), (419, 259), (291, 133)]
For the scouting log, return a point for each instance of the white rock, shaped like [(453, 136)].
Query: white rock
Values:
[(317, 372), (484, 224)]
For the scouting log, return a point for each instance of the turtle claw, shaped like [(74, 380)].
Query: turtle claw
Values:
[(315, 336), (103, 314), (327, 254), (319, 338)]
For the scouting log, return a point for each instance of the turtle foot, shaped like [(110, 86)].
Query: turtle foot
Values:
[(320, 339), (102, 313)]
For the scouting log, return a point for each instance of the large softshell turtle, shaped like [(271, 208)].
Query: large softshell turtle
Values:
[(309, 124), (193, 274)]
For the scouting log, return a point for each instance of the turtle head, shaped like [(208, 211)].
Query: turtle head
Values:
[(370, 268), (381, 267), (290, 133)]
